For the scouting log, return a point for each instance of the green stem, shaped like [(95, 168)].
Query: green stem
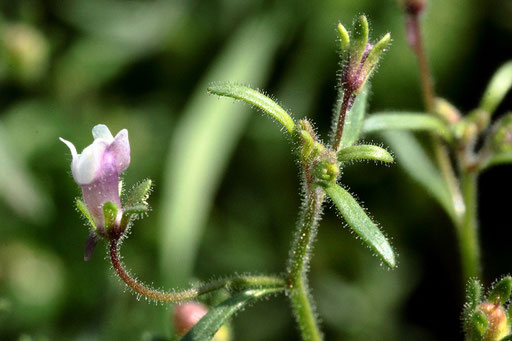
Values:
[(467, 229), (464, 194), (446, 166), (178, 296), (298, 264)]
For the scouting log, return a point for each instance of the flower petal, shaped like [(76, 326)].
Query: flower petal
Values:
[(87, 165), (71, 147), (120, 148), (101, 131)]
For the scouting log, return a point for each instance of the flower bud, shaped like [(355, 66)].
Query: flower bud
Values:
[(97, 170), (187, 315), (327, 169), (359, 55), (497, 326)]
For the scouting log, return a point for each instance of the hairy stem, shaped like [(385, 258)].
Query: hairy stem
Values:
[(467, 230), (178, 296), (346, 104), (298, 264)]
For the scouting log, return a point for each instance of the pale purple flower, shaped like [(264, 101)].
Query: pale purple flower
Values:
[(97, 170)]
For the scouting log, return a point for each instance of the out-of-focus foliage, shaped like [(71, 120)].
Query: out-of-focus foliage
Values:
[(144, 66)]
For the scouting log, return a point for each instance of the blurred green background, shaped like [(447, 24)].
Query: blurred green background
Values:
[(225, 198)]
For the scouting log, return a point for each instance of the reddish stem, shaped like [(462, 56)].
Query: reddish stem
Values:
[(348, 100), (141, 289), (415, 41)]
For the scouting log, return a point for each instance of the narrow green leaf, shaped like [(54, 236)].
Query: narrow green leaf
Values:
[(405, 121), (138, 194), (364, 152), (206, 328), (501, 291), (255, 98), (82, 207), (356, 218), (411, 156), (497, 88), (355, 117), (110, 210)]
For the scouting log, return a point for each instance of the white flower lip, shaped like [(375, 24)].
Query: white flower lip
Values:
[(105, 155)]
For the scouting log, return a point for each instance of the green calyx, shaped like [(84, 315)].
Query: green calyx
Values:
[(110, 211), (135, 204), (326, 171), (316, 155), (359, 55), (82, 207), (486, 319)]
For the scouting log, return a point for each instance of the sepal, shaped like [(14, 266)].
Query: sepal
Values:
[(82, 207), (110, 212), (501, 291), (138, 194)]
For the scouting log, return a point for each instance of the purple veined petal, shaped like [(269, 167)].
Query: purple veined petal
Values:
[(120, 150), (90, 245)]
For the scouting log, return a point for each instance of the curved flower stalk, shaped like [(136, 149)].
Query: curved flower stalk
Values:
[(97, 170)]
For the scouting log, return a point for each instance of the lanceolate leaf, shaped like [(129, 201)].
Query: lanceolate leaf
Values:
[(364, 152), (416, 163), (405, 121), (498, 87), (354, 118), (356, 218), (206, 328), (255, 98)]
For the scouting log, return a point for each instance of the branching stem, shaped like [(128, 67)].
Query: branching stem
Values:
[(178, 296)]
